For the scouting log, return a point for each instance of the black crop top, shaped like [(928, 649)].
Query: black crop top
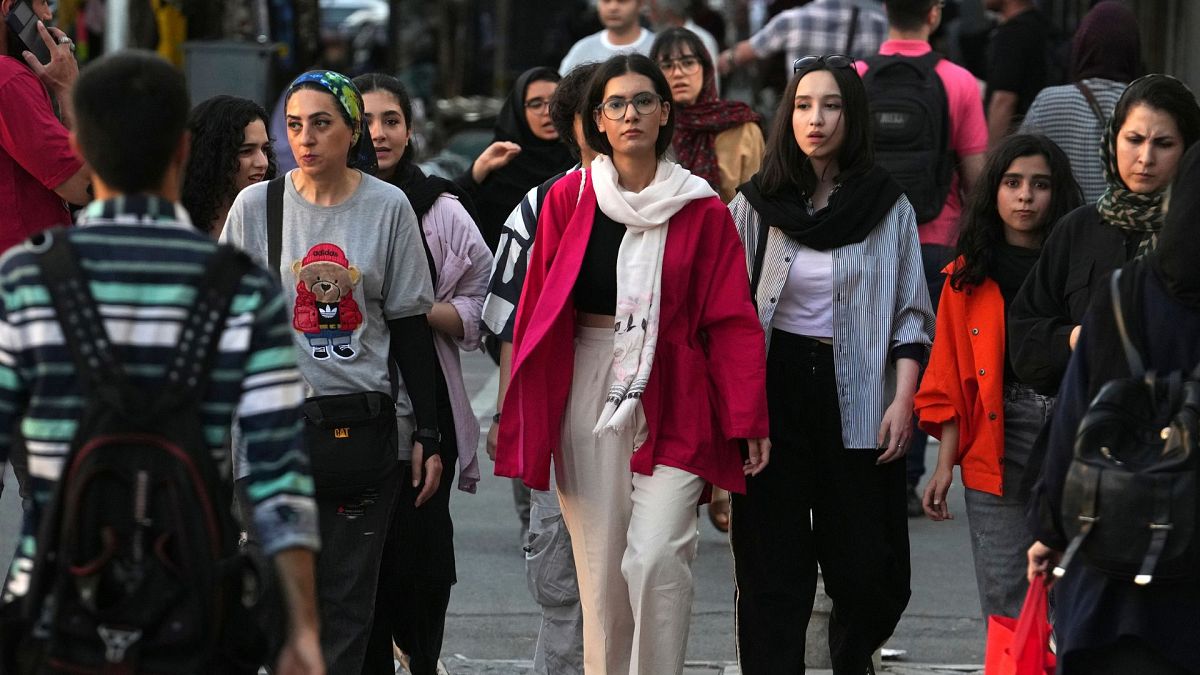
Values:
[(596, 287)]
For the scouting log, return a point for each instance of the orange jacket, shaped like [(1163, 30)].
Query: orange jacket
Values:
[(964, 381)]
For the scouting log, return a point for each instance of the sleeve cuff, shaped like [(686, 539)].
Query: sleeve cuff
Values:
[(914, 351)]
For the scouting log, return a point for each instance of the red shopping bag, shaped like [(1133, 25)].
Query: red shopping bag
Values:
[(1021, 646)]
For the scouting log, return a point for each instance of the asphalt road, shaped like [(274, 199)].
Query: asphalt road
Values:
[(492, 622)]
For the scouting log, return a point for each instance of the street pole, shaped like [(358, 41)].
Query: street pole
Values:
[(116, 26)]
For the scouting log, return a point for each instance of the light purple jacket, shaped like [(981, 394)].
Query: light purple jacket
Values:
[(463, 264)]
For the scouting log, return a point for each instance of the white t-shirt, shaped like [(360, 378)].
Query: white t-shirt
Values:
[(806, 301), (597, 48)]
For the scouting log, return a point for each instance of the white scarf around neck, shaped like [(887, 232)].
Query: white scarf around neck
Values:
[(645, 215)]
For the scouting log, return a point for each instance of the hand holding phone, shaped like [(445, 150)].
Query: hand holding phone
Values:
[(24, 22)]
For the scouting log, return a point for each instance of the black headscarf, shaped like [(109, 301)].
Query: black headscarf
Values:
[(1179, 241), (1106, 44), (538, 160), (855, 208)]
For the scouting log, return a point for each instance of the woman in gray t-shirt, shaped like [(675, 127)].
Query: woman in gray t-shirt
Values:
[(355, 276)]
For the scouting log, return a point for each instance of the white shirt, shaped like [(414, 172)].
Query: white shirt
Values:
[(806, 301), (598, 48)]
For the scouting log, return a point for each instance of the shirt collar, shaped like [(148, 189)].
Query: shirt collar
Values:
[(138, 209), (905, 47)]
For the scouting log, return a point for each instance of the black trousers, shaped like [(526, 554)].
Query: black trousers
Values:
[(858, 530), (417, 571)]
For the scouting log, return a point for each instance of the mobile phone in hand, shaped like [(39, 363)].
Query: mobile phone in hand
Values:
[(22, 20)]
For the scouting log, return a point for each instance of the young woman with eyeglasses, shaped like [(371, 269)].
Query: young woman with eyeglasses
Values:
[(831, 244), (720, 141), (635, 278), (524, 152)]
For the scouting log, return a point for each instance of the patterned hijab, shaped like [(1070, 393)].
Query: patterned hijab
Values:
[(362, 150), (697, 126), (1133, 212)]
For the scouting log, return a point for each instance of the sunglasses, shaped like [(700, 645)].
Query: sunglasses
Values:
[(830, 61)]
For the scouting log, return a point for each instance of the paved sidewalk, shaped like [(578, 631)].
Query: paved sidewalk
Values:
[(461, 665)]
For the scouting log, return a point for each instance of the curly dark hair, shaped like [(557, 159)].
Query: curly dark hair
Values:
[(983, 230), (218, 130)]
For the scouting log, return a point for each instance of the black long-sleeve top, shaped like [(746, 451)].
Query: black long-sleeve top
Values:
[(1076, 260), (1091, 609)]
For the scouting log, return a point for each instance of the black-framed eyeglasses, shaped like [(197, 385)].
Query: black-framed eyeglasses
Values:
[(688, 65), (537, 104), (830, 61), (644, 103)]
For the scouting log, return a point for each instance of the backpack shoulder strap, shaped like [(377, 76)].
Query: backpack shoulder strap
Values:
[(1132, 357), (80, 320), (1092, 103), (853, 31), (275, 225), (200, 335)]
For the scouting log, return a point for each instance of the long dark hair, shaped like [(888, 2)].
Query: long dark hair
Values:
[(218, 128), (983, 230), (785, 165), (615, 67), (381, 82)]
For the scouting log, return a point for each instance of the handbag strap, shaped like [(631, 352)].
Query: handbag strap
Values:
[(1160, 527), (760, 254), (275, 225), (1092, 103), (1136, 367)]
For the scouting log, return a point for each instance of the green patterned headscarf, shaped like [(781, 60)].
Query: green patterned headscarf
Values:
[(362, 150), (1134, 212)]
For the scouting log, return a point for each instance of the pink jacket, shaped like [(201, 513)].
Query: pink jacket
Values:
[(708, 384), (463, 265)]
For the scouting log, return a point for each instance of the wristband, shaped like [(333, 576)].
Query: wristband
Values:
[(430, 439), (496, 418)]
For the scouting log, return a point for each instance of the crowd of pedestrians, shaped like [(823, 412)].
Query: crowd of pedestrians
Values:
[(233, 394)]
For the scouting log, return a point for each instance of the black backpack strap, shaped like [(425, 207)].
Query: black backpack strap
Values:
[(187, 376), (1160, 527), (80, 320), (1092, 103), (1132, 357), (1087, 518), (275, 225), (854, 11)]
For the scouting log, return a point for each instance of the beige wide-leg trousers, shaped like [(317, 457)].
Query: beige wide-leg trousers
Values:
[(634, 536)]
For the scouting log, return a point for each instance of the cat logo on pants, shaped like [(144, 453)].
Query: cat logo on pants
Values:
[(341, 432)]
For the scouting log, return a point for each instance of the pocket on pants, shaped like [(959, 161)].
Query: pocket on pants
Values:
[(549, 563)]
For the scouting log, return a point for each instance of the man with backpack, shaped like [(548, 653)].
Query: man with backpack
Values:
[(930, 133), (127, 347)]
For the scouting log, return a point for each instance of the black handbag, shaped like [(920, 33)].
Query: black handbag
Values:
[(352, 441)]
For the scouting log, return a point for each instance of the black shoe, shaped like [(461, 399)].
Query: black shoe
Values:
[(342, 351), (915, 510), (320, 353)]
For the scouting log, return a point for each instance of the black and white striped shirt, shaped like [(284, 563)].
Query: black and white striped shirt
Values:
[(1065, 117), (881, 309)]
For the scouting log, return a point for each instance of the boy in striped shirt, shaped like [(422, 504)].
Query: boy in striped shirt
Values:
[(142, 257)]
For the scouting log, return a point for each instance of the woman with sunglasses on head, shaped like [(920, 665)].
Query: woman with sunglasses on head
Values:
[(719, 141), (230, 152), (525, 152), (1155, 121), (635, 277), (356, 279), (831, 244), (987, 422)]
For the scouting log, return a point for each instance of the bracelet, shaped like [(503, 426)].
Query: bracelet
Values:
[(730, 58), (496, 418)]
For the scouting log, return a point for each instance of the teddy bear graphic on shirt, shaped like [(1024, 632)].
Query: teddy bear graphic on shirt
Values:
[(325, 308)]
